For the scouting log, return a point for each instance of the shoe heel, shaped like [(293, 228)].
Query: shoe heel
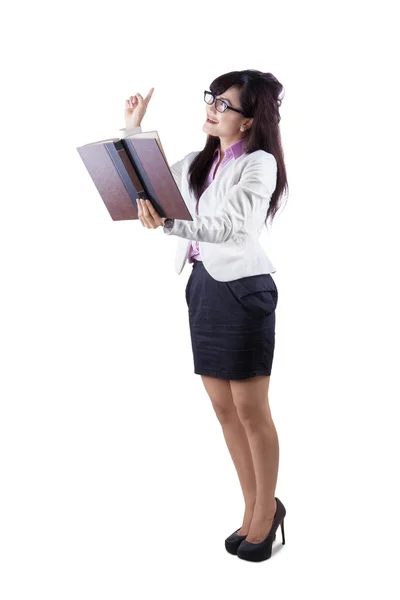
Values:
[(283, 532)]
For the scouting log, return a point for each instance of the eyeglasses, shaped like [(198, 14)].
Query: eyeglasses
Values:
[(220, 105)]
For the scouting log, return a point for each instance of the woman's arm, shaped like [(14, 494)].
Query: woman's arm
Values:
[(245, 199)]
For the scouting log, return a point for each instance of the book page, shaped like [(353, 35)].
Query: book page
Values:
[(141, 134)]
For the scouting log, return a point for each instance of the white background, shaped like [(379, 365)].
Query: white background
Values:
[(116, 480)]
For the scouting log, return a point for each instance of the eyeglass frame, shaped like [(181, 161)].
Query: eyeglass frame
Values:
[(223, 102)]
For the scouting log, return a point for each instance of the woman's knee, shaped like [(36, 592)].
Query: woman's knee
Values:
[(250, 397), (220, 394)]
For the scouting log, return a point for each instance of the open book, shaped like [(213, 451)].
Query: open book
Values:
[(135, 166)]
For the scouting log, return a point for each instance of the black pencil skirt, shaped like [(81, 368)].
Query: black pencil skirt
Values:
[(232, 324)]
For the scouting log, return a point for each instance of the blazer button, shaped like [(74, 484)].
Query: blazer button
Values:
[(238, 241)]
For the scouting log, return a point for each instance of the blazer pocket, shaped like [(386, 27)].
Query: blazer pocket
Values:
[(257, 294)]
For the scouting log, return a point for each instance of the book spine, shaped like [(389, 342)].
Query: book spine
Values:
[(126, 171), (147, 186)]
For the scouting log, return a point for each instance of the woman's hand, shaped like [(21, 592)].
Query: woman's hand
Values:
[(148, 216), (135, 109)]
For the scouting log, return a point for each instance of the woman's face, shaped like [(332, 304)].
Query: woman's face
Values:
[(228, 122)]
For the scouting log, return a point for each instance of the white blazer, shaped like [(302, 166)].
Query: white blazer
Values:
[(232, 212)]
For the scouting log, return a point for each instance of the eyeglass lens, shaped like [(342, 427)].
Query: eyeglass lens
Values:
[(219, 104)]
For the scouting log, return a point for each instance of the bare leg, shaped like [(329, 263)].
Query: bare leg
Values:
[(219, 391), (251, 400)]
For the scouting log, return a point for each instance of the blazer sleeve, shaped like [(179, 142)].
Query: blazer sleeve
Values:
[(246, 198), (176, 168)]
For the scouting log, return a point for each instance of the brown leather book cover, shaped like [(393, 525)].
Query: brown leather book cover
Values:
[(133, 167)]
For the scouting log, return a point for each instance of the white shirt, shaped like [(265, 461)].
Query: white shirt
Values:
[(232, 213)]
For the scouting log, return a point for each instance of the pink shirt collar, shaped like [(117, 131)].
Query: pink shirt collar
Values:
[(234, 150)]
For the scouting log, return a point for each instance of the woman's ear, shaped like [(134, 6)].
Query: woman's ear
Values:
[(246, 125)]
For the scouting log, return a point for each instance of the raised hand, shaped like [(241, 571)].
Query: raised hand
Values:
[(135, 109)]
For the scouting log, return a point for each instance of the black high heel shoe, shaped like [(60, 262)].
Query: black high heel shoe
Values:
[(233, 542), (262, 551)]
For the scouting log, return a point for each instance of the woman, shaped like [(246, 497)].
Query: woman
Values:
[(233, 185)]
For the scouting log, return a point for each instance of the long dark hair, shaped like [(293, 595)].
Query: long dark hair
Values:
[(260, 98)]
